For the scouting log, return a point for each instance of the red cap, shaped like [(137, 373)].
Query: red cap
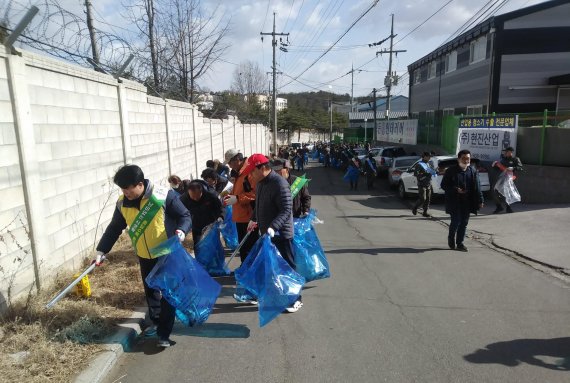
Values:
[(253, 161)]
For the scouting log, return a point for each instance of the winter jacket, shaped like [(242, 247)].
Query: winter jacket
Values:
[(244, 190), (204, 211), (173, 216), (452, 180), (302, 201), (273, 205)]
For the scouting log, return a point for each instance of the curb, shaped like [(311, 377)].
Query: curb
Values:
[(113, 348)]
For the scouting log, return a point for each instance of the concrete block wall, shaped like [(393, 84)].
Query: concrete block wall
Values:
[(64, 130)]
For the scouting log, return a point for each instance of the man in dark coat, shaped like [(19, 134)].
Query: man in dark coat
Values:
[(273, 210), (463, 196), (204, 206), (302, 201), (370, 170)]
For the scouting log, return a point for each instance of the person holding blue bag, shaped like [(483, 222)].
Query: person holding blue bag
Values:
[(424, 172), (273, 212), (153, 214)]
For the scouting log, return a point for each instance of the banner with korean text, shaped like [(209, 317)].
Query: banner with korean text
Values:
[(486, 137), (398, 131)]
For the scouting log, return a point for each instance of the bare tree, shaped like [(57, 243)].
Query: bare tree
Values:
[(193, 42), (143, 14), (248, 80)]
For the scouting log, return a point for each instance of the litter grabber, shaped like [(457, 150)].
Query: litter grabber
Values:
[(237, 248), (65, 291)]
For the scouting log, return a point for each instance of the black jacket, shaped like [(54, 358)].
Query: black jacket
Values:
[(302, 201), (206, 210), (273, 205), (221, 184), (450, 183)]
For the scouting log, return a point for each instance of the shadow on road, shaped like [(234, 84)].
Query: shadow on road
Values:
[(553, 354), (386, 250), (216, 330)]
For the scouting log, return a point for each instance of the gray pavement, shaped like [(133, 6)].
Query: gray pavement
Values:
[(399, 307)]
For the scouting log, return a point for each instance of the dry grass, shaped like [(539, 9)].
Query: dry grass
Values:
[(60, 341)]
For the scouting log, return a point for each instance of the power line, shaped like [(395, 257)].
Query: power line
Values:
[(348, 30), (425, 21)]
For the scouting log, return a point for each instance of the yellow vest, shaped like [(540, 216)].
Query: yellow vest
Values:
[(154, 234)]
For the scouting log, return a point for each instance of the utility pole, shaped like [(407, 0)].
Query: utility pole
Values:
[(94, 49), (375, 122), (352, 88), (391, 78), (274, 44)]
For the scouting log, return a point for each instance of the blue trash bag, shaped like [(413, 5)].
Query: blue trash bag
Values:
[(183, 282), (210, 252), (322, 158), (276, 285), (242, 293), (351, 174), (315, 155), (310, 259), (229, 230)]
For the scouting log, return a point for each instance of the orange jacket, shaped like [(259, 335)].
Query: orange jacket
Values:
[(243, 209)]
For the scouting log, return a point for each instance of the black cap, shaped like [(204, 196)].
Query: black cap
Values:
[(509, 149)]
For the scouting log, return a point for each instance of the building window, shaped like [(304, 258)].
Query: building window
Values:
[(432, 69), (417, 76), (475, 110), (448, 112), (478, 50), (451, 62)]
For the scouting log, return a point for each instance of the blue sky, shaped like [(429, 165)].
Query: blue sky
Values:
[(313, 26)]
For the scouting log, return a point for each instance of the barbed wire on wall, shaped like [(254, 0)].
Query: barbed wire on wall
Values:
[(63, 34)]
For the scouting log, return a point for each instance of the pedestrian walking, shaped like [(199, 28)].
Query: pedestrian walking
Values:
[(152, 214), (370, 170), (204, 206), (242, 199), (423, 171), (507, 166), (273, 211), (352, 173), (302, 201), (463, 196)]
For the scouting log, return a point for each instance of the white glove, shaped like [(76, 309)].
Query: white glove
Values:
[(271, 232), (99, 258), (180, 234), (220, 220), (251, 226), (230, 200)]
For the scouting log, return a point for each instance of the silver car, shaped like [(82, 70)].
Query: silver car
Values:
[(400, 165), (408, 183)]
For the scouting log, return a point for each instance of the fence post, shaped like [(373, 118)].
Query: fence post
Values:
[(125, 131), (29, 166), (168, 139), (543, 136), (195, 141)]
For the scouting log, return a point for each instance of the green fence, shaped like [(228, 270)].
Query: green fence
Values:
[(542, 138)]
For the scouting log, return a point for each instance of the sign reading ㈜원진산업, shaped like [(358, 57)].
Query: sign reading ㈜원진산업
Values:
[(486, 137), (398, 131)]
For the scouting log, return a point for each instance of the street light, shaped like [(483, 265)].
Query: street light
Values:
[(365, 120), (330, 136)]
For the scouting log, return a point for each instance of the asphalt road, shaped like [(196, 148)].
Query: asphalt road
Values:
[(399, 307)]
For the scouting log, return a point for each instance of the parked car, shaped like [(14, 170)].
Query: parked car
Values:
[(384, 157), (399, 166), (408, 183)]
